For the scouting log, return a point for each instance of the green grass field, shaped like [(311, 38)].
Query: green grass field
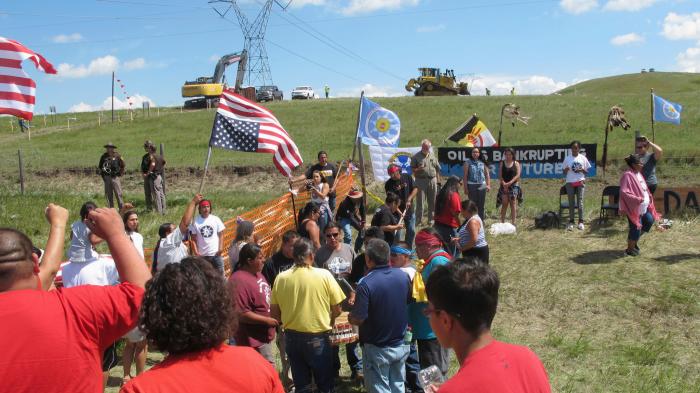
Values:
[(601, 322)]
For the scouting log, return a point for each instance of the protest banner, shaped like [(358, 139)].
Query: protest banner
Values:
[(536, 161), (675, 199)]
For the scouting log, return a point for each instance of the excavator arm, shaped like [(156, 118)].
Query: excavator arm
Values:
[(227, 60)]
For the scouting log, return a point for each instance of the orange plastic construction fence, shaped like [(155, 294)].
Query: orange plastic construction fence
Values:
[(275, 217)]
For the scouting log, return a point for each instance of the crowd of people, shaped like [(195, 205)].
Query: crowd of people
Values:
[(412, 296)]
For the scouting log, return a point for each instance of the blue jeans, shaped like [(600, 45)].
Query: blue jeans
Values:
[(647, 220), (410, 231), (412, 369), (352, 356), (217, 261), (310, 354), (346, 226), (384, 368)]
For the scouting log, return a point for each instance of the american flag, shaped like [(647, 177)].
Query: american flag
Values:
[(16, 87), (243, 125)]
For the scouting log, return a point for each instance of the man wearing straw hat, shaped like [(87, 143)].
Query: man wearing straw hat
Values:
[(111, 167)]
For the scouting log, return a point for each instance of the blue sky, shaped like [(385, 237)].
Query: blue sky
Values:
[(538, 46)]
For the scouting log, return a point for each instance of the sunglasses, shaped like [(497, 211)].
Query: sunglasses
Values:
[(333, 235)]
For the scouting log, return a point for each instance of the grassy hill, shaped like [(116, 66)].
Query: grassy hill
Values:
[(330, 125), (666, 84)]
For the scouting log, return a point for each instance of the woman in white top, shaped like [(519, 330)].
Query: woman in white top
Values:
[(131, 226), (135, 349), (576, 168), (319, 189), (472, 239), (170, 247), (244, 235)]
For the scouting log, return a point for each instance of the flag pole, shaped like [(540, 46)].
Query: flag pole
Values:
[(605, 144), (653, 132), (358, 146), (112, 96), (206, 167), (357, 130), (500, 126)]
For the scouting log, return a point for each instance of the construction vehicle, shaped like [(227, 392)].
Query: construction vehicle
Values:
[(433, 83), (207, 89)]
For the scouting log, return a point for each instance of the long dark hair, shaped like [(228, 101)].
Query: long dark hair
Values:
[(443, 196), (125, 218), (306, 211), (248, 253)]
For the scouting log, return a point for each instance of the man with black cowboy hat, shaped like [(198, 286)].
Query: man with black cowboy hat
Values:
[(111, 167), (152, 171)]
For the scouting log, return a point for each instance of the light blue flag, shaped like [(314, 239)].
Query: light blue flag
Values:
[(667, 111), (378, 126)]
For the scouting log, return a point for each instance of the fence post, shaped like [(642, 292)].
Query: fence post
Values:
[(21, 172), (162, 155)]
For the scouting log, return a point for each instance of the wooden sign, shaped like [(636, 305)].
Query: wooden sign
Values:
[(677, 198)]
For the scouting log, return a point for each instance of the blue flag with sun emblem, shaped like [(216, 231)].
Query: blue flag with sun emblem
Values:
[(378, 126), (666, 111)]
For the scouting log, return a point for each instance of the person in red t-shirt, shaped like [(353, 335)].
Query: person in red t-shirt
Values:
[(447, 209), (250, 293), (44, 331), (188, 312), (463, 297)]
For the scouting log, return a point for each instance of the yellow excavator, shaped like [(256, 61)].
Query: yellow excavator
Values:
[(433, 83), (207, 89)]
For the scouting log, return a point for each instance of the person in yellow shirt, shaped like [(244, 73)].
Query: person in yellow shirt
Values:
[(306, 300)]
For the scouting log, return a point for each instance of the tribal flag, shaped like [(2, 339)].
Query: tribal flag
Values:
[(246, 126), (17, 89), (473, 133), (378, 126), (666, 111), (382, 157)]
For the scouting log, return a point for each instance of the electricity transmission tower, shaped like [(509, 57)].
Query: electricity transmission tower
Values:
[(258, 66)]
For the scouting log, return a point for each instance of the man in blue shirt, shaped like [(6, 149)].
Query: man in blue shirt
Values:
[(380, 311)]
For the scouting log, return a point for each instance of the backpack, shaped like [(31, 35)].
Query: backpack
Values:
[(547, 220)]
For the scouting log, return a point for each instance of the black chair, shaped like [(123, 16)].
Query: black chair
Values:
[(609, 202), (564, 204)]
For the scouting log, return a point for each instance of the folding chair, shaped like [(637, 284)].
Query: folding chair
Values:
[(609, 204), (564, 204)]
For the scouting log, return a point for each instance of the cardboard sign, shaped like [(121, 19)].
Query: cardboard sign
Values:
[(669, 200)]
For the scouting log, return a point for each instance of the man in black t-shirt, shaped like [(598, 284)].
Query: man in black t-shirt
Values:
[(387, 217), (402, 185), (329, 171)]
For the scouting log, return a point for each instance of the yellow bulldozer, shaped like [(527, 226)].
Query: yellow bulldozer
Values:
[(433, 83)]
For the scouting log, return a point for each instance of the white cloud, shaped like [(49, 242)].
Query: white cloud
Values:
[(578, 6), (682, 27), (689, 61), (528, 85), (214, 58), (628, 5), (626, 39), (99, 66), (66, 38), (134, 64), (430, 29), (367, 6), (137, 101), (371, 91)]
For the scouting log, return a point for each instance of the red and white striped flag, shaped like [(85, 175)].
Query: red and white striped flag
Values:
[(243, 125), (17, 89)]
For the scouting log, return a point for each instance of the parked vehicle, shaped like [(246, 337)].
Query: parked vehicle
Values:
[(269, 93), (303, 92)]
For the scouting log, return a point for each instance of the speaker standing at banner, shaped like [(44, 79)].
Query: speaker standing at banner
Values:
[(575, 169), (477, 180), (426, 170)]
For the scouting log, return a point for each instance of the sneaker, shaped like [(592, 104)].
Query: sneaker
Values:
[(570, 227), (632, 253), (580, 226)]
